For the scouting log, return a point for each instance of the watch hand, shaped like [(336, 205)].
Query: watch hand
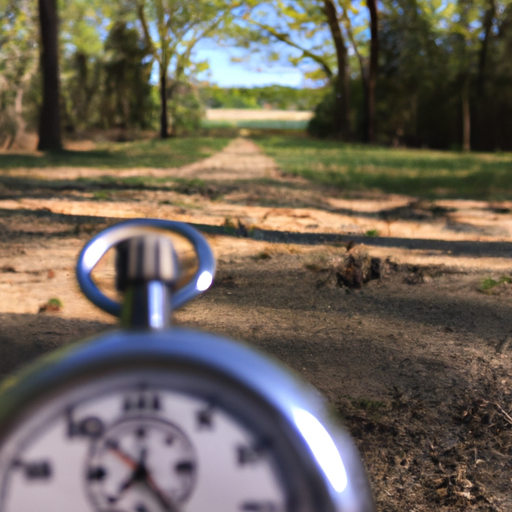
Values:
[(126, 484), (144, 475), (167, 504), (124, 457), (141, 474)]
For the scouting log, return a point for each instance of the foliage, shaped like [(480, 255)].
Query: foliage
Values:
[(171, 29), (443, 80), (444, 69), (106, 70), (289, 31), (187, 110), (435, 57), (322, 124), (127, 99), (315, 35), (433, 174), (18, 64), (272, 96)]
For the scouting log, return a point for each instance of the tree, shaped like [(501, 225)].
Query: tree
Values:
[(372, 70), (444, 68), (178, 25), (49, 123), (127, 67), (341, 83), (487, 24), (463, 36), (368, 66), (82, 25), (320, 32), (313, 31), (18, 65)]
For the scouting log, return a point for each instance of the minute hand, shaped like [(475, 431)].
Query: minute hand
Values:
[(167, 504), (142, 474)]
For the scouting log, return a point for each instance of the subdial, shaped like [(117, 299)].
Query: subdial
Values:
[(139, 465)]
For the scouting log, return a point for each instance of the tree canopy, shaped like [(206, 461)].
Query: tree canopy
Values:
[(435, 73)]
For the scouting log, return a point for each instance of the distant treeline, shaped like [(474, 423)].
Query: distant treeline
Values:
[(271, 96)]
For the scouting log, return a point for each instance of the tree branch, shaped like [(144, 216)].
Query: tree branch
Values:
[(145, 30), (353, 42), (306, 53)]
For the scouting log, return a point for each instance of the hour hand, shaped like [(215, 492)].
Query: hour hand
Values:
[(127, 459)]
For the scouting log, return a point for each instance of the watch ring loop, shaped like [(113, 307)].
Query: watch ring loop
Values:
[(95, 249)]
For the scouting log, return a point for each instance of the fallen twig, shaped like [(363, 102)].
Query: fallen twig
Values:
[(504, 413)]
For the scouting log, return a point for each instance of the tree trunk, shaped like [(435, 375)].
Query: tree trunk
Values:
[(372, 69), (487, 25), (366, 104), (164, 122), (20, 122), (49, 121), (341, 84), (466, 116)]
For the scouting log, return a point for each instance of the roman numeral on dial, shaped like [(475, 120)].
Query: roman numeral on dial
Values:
[(204, 418), (250, 454), (143, 401), (35, 470), (90, 426)]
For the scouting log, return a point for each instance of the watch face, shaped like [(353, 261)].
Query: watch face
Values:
[(143, 441)]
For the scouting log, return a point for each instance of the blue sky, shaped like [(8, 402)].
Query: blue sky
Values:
[(225, 73)]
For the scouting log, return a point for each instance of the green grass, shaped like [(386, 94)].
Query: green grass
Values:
[(489, 283), (425, 173), (152, 153), (269, 124), (55, 302)]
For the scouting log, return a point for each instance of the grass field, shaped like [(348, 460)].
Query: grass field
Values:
[(426, 173), (256, 119), (152, 153), (257, 124)]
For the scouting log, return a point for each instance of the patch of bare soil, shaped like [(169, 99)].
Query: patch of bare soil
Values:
[(406, 335)]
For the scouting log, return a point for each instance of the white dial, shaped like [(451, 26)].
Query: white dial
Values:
[(133, 443), (141, 456)]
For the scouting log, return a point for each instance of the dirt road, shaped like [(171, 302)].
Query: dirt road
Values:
[(417, 362)]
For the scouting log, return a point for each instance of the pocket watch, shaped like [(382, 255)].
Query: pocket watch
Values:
[(156, 418)]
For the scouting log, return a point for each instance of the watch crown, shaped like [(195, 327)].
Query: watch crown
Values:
[(144, 259)]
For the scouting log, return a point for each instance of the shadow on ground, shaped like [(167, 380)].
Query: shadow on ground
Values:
[(25, 337)]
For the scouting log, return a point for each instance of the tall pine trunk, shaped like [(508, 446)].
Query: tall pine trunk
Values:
[(164, 120), (372, 70), (466, 116), (49, 121)]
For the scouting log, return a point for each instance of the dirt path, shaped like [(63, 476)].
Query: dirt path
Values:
[(240, 159), (418, 362)]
